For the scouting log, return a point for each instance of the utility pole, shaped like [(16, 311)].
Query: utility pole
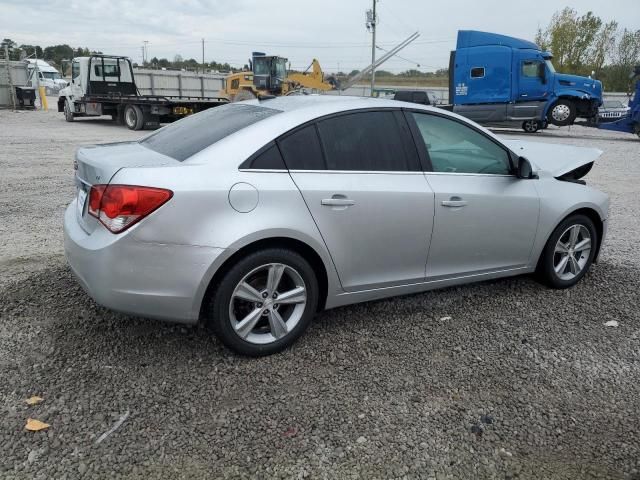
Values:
[(372, 21), (203, 55)]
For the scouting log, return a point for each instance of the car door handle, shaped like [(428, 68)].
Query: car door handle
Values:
[(454, 202), (337, 201)]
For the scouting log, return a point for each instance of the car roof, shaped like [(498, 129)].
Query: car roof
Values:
[(296, 110), (337, 103)]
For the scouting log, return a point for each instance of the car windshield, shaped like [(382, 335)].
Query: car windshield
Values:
[(182, 139), (51, 75)]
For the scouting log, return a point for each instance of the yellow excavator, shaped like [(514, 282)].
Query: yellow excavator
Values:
[(269, 77)]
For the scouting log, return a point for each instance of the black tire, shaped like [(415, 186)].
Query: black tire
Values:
[(562, 113), (133, 117), (531, 126), (546, 271), (69, 116), (217, 313)]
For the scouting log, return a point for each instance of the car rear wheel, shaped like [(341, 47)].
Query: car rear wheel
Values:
[(133, 117), (264, 302), (562, 113), (569, 252)]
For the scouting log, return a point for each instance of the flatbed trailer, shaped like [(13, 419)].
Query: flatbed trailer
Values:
[(105, 85)]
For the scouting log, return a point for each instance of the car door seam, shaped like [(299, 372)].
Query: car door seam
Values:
[(319, 231), (433, 222)]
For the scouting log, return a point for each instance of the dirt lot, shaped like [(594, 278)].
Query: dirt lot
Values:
[(504, 379)]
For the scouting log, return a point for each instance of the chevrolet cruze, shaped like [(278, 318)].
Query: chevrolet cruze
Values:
[(253, 216)]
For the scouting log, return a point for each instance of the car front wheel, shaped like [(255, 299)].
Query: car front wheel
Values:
[(569, 252), (562, 113), (264, 302)]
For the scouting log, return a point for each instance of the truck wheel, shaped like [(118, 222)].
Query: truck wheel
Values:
[(133, 117), (244, 95), (531, 126), (562, 113), (68, 112)]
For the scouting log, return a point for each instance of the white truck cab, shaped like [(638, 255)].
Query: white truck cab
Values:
[(48, 76)]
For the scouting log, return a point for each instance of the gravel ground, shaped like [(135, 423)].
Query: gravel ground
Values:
[(503, 379)]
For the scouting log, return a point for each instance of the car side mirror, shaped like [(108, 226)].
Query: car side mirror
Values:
[(524, 169)]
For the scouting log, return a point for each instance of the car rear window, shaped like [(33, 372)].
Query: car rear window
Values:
[(192, 134)]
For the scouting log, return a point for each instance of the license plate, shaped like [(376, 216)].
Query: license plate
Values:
[(82, 198)]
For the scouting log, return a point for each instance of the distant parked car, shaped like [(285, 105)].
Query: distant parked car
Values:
[(253, 216), (612, 110), (420, 97)]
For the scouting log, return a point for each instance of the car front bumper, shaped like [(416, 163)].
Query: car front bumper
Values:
[(155, 280)]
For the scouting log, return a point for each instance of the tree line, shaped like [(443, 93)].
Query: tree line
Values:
[(54, 54), (585, 45)]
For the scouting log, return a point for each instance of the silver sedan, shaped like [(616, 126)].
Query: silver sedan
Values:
[(253, 216)]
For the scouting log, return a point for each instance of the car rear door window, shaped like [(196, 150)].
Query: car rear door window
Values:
[(301, 150), (367, 141), (456, 148), (268, 158), (182, 139)]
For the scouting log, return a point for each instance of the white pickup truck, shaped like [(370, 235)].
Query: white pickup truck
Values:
[(105, 85)]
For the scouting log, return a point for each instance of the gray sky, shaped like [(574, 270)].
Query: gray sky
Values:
[(331, 30)]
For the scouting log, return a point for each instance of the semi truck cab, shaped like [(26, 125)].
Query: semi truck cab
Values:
[(499, 79)]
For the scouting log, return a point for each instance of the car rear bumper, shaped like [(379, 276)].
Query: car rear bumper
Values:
[(152, 280)]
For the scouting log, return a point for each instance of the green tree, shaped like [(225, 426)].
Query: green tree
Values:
[(56, 53), (570, 38), (32, 51), (626, 56), (14, 51)]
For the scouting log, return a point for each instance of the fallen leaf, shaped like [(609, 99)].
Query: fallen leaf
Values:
[(290, 432), (34, 400), (34, 425), (611, 323)]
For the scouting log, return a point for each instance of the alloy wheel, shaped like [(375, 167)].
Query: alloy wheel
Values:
[(571, 253), (268, 303), (531, 126)]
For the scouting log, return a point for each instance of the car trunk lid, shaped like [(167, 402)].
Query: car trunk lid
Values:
[(98, 164)]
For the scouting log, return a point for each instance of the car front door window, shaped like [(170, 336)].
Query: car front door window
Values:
[(456, 148)]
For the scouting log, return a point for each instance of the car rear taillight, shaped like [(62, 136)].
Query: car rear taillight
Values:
[(118, 207)]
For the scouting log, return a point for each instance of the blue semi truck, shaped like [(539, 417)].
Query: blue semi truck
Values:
[(499, 80)]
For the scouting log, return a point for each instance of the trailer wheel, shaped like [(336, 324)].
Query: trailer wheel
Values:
[(133, 117), (562, 113), (68, 113), (531, 126)]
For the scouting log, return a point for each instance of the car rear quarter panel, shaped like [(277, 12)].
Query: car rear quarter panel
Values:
[(200, 214)]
